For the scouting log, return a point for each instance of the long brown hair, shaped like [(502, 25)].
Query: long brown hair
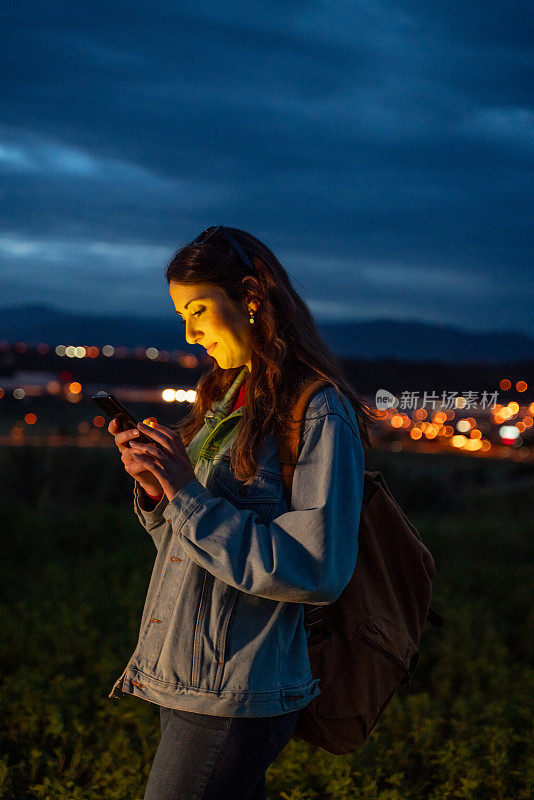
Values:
[(286, 346)]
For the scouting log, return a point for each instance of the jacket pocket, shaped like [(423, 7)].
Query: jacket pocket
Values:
[(263, 495), (199, 629), (222, 640)]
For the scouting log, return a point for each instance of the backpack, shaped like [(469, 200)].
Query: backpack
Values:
[(365, 644)]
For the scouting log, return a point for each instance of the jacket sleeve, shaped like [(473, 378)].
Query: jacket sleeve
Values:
[(307, 554), (153, 521)]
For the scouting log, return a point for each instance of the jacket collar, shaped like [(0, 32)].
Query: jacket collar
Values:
[(221, 408)]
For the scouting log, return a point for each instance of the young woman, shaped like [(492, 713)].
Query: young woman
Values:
[(222, 646)]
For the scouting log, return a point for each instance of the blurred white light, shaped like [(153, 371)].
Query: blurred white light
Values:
[(60, 350), (181, 395), (70, 351), (152, 352), (80, 352), (191, 396), (108, 350), (169, 395), (18, 394), (463, 425), (508, 432)]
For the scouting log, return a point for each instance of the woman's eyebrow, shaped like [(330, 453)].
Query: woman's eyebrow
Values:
[(192, 301)]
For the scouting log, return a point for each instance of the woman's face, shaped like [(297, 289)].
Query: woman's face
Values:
[(211, 318)]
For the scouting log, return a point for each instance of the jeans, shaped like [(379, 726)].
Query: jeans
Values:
[(204, 757)]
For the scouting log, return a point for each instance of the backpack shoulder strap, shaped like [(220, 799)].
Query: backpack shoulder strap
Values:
[(288, 447)]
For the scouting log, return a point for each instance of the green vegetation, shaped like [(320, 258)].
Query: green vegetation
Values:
[(75, 569)]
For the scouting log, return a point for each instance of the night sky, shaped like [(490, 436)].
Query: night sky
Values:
[(384, 151)]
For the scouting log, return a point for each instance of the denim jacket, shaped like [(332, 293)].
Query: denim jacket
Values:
[(222, 630)]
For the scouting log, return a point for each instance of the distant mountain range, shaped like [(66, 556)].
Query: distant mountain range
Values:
[(371, 339)]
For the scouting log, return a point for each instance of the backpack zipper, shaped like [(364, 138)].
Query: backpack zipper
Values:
[(387, 653)]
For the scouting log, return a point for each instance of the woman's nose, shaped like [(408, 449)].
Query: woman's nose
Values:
[(191, 333)]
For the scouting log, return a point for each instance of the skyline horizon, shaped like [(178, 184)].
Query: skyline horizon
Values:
[(323, 321)]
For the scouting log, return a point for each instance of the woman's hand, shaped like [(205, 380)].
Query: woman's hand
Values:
[(166, 460), (132, 465)]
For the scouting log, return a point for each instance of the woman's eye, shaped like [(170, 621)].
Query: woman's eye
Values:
[(197, 313)]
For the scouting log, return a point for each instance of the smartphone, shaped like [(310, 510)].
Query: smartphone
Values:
[(111, 406)]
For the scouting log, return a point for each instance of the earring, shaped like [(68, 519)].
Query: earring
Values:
[(251, 319)]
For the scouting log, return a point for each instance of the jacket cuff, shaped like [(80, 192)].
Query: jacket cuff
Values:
[(184, 503), (150, 517)]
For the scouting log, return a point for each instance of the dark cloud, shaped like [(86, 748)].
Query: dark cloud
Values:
[(387, 145)]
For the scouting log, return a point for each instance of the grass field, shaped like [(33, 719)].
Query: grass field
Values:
[(74, 573)]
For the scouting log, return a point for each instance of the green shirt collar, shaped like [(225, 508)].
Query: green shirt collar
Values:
[(221, 408)]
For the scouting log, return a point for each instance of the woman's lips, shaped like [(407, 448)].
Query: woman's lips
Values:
[(210, 348)]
